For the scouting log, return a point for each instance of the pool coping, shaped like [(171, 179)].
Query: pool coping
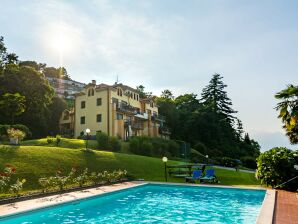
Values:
[(6, 210), (17, 208)]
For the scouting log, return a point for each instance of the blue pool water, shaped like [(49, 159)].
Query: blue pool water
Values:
[(154, 203)]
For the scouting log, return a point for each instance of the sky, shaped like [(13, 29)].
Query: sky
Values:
[(176, 45)]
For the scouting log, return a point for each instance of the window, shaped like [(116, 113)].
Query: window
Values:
[(137, 97), (151, 104), (134, 96), (83, 104), (98, 102), (119, 92), (98, 118), (82, 120), (119, 116), (91, 92), (66, 115)]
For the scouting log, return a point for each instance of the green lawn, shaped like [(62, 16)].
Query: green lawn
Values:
[(73, 144), (33, 162), (65, 143)]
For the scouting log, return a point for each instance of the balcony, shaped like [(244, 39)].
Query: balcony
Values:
[(134, 125), (137, 126), (157, 117), (124, 108), (164, 131), (141, 115)]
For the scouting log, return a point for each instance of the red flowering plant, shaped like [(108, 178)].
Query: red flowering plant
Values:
[(5, 177)]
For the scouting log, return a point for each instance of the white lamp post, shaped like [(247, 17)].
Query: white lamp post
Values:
[(87, 136), (165, 160), (207, 158)]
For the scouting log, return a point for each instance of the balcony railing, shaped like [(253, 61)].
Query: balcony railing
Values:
[(158, 117), (141, 115), (164, 131), (121, 107), (134, 125), (138, 126)]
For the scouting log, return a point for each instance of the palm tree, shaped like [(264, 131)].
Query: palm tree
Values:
[(288, 111)]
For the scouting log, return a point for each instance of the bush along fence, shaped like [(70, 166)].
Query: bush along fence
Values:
[(74, 180), (83, 179), (7, 184)]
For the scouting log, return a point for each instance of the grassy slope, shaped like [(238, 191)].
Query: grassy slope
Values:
[(65, 143), (33, 162), (73, 143)]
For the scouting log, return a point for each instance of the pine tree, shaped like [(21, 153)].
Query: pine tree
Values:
[(239, 129), (214, 97), (247, 139)]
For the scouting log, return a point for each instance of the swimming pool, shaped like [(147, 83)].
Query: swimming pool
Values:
[(155, 203)]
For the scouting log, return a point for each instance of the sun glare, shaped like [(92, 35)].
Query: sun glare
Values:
[(61, 40), (61, 43)]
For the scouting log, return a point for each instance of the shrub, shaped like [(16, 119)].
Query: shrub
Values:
[(59, 180), (114, 144), (16, 134), (5, 177), (96, 178), (102, 140), (50, 139), (229, 162), (23, 128), (249, 162), (6, 183), (82, 178), (134, 145), (45, 183), (17, 186), (58, 139), (276, 166), (160, 146), (173, 147), (144, 145)]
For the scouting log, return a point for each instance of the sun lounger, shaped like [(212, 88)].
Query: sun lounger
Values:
[(196, 175), (210, 176)]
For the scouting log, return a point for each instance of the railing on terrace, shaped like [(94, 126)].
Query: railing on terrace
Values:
[(125, 108), (158, 117), (164, 131), (141, 114), (138, 126)]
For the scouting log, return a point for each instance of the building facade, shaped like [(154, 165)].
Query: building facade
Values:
[(66, 88), (118, 111)]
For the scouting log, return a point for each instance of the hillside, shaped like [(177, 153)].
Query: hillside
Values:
[(33, 162)]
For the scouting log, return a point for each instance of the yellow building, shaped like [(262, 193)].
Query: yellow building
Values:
[(118, 111)]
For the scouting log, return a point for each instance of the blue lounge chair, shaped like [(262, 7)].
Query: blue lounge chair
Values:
[(210, 176), (196, 175)]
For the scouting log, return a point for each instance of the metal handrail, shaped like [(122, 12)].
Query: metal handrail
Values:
[(285, 182)]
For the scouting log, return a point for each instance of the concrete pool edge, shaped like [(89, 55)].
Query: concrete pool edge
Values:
[(7, 210), (18, 208), (267, 210)]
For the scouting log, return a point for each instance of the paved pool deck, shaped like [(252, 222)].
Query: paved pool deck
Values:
[(286, 208)]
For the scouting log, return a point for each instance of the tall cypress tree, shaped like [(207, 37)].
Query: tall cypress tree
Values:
[(214, 98)]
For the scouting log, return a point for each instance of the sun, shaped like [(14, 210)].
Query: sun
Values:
[(61, 43)]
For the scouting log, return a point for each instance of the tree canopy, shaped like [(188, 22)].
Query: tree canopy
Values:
[(25, 88), (209, 124), (288, 111)]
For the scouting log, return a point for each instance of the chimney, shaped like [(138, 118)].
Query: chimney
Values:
[(94, 82)]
